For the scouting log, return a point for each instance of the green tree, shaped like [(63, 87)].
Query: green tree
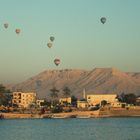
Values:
[(5, 96), (130, 98), (73, 101), (46, 103), (127, 98), (2, 88), (103, 102), (66, 92), (54, 95)]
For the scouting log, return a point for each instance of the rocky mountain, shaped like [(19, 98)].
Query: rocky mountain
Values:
[(98, 80)]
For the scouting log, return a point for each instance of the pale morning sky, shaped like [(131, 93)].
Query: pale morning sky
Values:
[(81, 40)]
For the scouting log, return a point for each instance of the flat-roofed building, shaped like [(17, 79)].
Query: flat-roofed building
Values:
[(65, 100), (24, 99), (94, 99), (82, 104), (39, 102)]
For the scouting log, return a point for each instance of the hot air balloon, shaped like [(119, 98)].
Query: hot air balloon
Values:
[(17, 31), (103, 20), (57, 61), (49, 45), (52, 38), (6, 25)]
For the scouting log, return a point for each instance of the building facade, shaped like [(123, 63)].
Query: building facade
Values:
[(24, 99), (94, 99), (39, 102), (65, 100), (82, 104)]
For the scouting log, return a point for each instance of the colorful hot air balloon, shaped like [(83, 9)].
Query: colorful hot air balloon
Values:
[(49, 45), (103, 20), (6, 25), (57, 61), (17, 31), (52, 38)]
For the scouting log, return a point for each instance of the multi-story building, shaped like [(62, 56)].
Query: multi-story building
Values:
[(24, 99)]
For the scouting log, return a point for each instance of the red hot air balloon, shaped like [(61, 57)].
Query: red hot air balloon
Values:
[(57, 61), (17, 31)]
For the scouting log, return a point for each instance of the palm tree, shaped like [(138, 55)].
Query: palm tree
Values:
[(54, 94), (5, 98), (73, 101), (2, 88), (66, 93)]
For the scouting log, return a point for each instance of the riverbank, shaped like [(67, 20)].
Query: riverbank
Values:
[(104, 112), (75, 114)]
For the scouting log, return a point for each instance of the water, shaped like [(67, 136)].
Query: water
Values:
[(71, 129)]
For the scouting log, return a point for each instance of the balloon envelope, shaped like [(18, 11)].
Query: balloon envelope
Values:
[(57, 61), (6, 25), (17, 31), (52, 38), (49, 45), (103, 20)]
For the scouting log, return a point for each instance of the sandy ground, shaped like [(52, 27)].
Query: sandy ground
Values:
[(79, 114)]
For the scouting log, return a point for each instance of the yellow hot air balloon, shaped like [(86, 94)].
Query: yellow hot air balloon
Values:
[(49, 45)]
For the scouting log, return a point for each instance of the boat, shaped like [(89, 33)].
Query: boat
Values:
[(59, 117), (83, 117)]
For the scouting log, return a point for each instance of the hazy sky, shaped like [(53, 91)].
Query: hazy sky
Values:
[(81, 41)]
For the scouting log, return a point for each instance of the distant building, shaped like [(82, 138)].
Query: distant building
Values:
[(118, 105), (82, 104), (65, 100), (94, 99), (138, 99), (38, 102), (23, 99)]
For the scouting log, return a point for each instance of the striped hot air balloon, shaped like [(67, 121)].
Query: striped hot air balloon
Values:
[(57, 61)]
